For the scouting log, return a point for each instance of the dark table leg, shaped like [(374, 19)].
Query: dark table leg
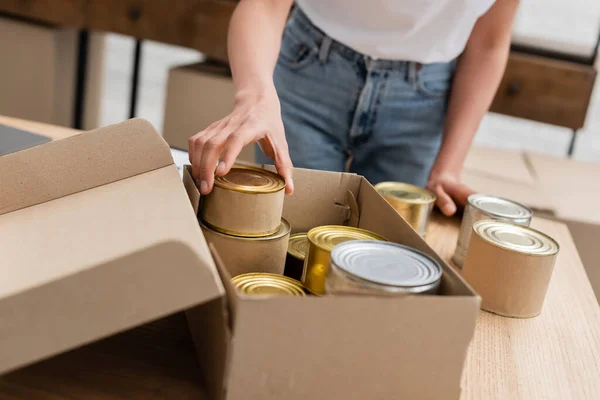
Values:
[(137, 60), (80, 83)]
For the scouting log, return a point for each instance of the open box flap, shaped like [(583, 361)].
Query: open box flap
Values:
[(80, 162), (115, 245)]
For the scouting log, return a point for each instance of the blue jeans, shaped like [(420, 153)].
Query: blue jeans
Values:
[(342, 110)]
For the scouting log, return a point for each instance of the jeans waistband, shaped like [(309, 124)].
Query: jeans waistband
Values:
[(302, 21)]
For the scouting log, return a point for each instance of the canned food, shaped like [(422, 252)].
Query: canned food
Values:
[(248, 202), (368, 267), (297, 249), (510, 266), (321, 241), (481, 206), (251, 254), (412, 202), (267, 284)]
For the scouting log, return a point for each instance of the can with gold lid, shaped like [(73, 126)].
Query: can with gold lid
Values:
[(381, 268), (265, 284), (412, 202), (483, 206), (297, 249), (248, 202), (321, 241), (510, 267), (251, 254)]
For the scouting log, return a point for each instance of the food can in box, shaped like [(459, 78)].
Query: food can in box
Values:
[(243, 255), (267, 284), (481, 206), (321, 241), (247, 202), (412, 202), (510, 266), (297, 249), (381, 268)]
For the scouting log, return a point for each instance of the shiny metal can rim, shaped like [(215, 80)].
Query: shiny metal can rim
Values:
[(546, 245), (323, 237), (474, 200), (359, 260), (298, 245), (389, 188), (245, 283), (275, 184), (282, 231)]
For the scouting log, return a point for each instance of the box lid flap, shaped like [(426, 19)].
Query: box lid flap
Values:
[(110, 242), (80, 162)]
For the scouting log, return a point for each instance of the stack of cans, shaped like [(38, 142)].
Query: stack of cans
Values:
[(244, 212)]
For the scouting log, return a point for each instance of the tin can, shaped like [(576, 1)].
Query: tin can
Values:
[(321, 241), (297, 249), (247, 202), (510, 267), (381, 268), (251, 254), (481, 206), (256, 284), (413, 203)]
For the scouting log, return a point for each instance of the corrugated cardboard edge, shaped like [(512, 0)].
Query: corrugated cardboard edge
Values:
[(64, 167)]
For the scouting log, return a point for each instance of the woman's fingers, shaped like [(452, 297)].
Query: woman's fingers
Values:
[(444, 201), (284, 166), (210, 151), (459, 192)]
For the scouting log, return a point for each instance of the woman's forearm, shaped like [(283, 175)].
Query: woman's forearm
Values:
[(254, 40), (478, 74)]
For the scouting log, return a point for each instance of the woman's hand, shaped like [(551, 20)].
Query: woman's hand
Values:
[(449, 191), (255, 118)]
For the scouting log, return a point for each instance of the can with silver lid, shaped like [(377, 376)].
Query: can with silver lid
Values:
[(381, 268), (247, 202), (297, 249), (412, 202), (482, 206), (257, 284), (321, 241), (251, 254), (510, 267)]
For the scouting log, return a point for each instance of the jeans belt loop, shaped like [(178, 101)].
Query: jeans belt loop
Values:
[(324, 49), (412, 72)]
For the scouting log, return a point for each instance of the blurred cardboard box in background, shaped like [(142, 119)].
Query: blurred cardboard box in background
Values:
[(38, 73)]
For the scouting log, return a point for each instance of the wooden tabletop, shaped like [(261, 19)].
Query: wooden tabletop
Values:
[(555, 355)]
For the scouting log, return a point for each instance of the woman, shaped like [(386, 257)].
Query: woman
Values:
[(393, 90)]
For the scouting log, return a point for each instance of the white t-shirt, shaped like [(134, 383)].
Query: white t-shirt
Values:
[(423, 31)]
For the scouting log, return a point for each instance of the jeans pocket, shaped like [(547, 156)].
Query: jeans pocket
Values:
[(298, 49), (436, 80)]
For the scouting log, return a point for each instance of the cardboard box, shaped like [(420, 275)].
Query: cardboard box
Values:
[(198, 95), (104, 238), (38, 73)]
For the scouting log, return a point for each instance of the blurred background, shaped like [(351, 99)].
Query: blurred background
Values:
[(55, 72)]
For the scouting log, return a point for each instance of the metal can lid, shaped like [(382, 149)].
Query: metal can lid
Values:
[(262, 283), (328, 236), (386, 263), (405, 192), (298, 245), (518, 238), (283, 230), (499, 207), (248, 179)]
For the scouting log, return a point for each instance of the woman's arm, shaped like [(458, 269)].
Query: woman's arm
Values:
[(254, 39), (478, 74)]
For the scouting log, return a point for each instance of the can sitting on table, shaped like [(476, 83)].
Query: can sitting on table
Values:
[(321, 241), (510, 266), (412, 202), (482, 206), (381, 268)]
